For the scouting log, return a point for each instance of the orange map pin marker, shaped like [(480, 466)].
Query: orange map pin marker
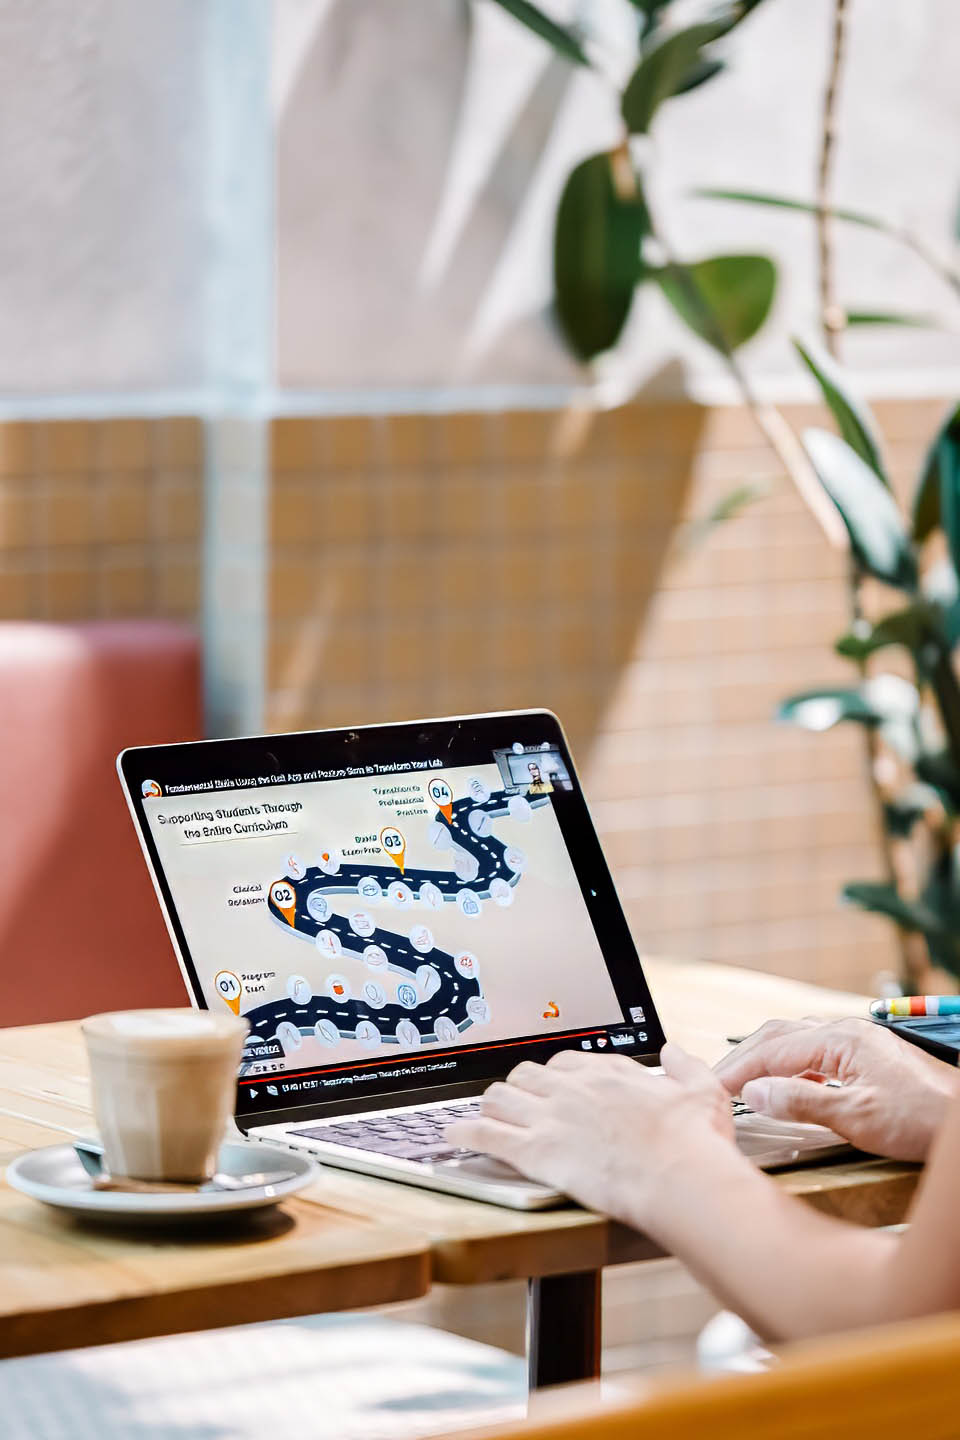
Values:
[(394, 845), (229, 988), (284, 897), (442, 796)]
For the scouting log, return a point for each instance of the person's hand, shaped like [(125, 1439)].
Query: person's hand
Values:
[(890, 1099), (601, 1128)]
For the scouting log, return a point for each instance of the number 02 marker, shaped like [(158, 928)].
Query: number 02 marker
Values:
[(284, 897)]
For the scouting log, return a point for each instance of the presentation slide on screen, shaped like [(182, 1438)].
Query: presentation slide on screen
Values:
[(371, 916)]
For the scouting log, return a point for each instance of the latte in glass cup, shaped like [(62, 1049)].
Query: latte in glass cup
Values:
[(164, 1083)]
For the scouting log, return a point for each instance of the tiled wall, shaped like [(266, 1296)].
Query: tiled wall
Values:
[(422, 565), (428, 565), (100, 518)]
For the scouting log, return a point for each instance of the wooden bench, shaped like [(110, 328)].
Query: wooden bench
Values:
[(885, 1384)]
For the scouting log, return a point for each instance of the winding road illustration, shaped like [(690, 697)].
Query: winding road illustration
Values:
[(439, 995)]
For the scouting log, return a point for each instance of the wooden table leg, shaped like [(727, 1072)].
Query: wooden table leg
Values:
[(563, 1328)]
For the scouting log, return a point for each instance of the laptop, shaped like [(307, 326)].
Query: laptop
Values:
[(401, 913)]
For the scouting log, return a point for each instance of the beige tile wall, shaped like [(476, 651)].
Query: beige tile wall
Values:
[(434, 564), (100, 518)]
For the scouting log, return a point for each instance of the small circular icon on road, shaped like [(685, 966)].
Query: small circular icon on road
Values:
[(374, 994), (478, 791), (430, 895), (318, 906), (338, 987), (519, 808), (367, 1034), (400, 895), (501, 892), (298, 988), (408, 1034), (445, 1030), (469, 903), (362, 924), (422, 939), (328, 943), (289, 1037)]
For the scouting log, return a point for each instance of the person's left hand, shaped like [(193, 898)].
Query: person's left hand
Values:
[(601, 1128)]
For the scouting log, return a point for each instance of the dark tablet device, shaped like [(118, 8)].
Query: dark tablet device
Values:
[(937, 1034)]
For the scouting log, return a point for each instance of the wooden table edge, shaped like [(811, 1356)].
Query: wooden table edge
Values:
[(247, 1300)]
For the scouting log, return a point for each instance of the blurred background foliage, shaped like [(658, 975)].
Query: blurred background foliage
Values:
[(904, 576)]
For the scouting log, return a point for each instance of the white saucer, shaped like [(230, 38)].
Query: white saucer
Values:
[(55, 1176)]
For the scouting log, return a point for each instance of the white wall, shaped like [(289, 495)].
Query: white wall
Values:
[(420, 158), (102, 240), (419, 149)]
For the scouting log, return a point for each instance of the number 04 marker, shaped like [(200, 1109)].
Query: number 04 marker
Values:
[(393, 844)]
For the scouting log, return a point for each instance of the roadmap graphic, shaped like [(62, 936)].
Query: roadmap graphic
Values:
[(439, 995)]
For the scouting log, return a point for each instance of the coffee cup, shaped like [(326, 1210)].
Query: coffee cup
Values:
[(164, 1083)]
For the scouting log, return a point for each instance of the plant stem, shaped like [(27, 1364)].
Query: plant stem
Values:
[(897, 858), (771, 424), (831, 316), (923, 252)]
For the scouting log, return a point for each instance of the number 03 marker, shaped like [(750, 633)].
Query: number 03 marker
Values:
[(393, 844)]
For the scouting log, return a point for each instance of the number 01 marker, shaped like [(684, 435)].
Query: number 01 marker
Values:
[(394, 845), (229, 988)]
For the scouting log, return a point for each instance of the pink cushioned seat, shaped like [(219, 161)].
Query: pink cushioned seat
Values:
[(80, 927)]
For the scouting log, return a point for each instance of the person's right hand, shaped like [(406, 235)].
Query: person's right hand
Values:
[(891, 1097)]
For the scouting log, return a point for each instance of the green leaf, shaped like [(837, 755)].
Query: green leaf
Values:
[(877, 535), (724, 300), (940, 468), (726, 509), (941, 899), (822, 709), (940, 771), (563, 40), (892, 317), (596, 259), (650, 12), (783, 202), (902, 813), (699, 73), (857, 425), (910, 628), (661, 70), (730, 12), (883, 899)]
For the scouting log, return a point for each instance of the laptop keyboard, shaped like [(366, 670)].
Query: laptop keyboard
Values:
[(414, 1135)]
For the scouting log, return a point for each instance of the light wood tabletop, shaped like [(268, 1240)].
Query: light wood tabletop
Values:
[(355, 1238), (67, 1284)]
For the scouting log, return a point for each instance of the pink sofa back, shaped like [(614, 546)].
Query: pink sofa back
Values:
[(80, 926)]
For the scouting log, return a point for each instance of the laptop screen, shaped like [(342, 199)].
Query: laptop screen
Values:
[(391, 908)]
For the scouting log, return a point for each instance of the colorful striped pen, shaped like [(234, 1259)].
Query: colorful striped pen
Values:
[(915, 1005)]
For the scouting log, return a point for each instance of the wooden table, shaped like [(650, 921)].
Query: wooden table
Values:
[(561, 1253), (365, 1231), (67, 1284)]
